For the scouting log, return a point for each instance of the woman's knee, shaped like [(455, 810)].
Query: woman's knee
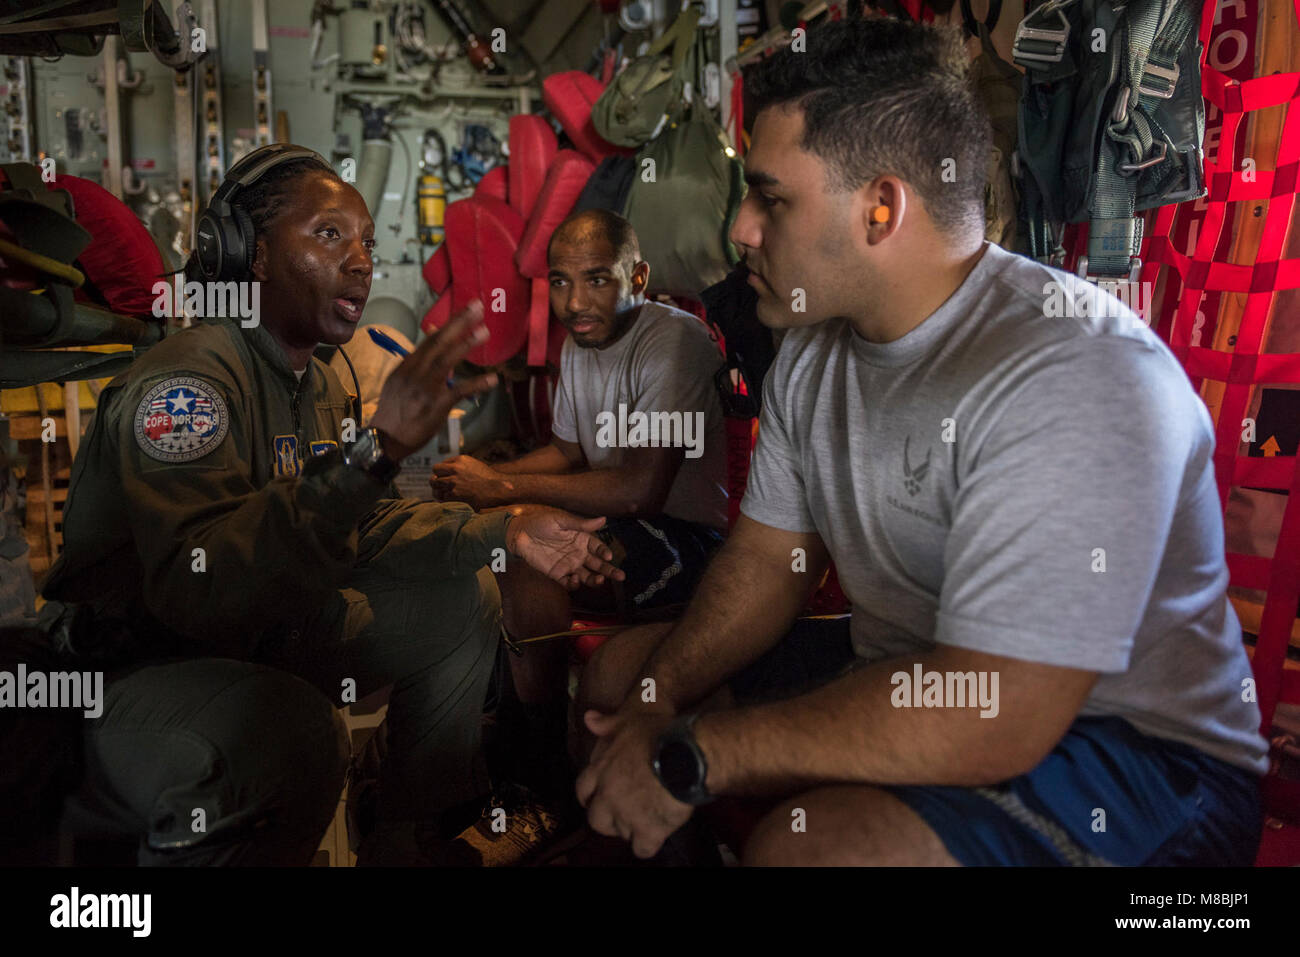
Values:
[(262, 763)]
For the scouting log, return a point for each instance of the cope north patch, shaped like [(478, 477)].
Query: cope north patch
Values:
[(180, 420)]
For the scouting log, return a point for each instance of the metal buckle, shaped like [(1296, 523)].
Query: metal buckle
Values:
[(1162, 72), (1113, 284), (1057, 38), (1134, 270), (1119, 115), (1146, 164)]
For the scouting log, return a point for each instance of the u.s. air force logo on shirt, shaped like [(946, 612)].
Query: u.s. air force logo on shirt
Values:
[(180, 420)]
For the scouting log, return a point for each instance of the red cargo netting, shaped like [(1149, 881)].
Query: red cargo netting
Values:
[(1243, 366)]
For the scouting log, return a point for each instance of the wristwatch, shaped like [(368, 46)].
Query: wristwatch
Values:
[(367, 453), (679, 763)]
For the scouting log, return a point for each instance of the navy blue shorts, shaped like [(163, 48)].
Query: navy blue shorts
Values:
[(663, 558), (1106, 794)]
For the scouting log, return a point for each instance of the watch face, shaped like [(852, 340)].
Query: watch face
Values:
[(678, 767)]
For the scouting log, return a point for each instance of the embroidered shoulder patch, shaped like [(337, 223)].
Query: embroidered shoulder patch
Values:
[(180, 420)]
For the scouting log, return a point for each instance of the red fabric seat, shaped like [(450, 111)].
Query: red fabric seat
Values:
[(556, 198), (495, 182), (437, 270), (532, 148), (122, 260), (482, 235), (540, 186), (568, 174), (570, 96), (486, 249)]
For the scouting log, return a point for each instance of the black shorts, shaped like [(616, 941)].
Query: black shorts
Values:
[(663, 558), (813, 652)]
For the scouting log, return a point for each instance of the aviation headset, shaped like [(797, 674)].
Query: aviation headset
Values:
[(225, 241)]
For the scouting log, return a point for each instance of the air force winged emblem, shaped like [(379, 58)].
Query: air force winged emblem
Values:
[(913, 476)]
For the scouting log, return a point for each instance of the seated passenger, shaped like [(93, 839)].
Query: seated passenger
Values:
[(236, 560), (1041, 666), (637, 436)]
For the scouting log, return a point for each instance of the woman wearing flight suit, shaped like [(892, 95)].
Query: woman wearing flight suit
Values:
[(231, 541)]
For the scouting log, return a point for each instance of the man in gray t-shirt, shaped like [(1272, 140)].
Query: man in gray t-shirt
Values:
[(1014, 480), (637, 437), (1029, 486)]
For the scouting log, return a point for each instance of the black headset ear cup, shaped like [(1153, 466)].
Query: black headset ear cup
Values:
[(242, 257), (208, 246)]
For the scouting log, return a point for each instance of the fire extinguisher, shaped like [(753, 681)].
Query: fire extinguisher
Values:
[(431, 189), (431, 196)]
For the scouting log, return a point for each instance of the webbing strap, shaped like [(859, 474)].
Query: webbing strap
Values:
[(680, 35), (1245, 366), (1153, 35)]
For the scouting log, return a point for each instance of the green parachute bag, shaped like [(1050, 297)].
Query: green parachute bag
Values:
[(686, 191), (647, 95)]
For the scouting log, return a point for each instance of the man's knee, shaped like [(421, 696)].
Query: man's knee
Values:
[(616, 665), (848, 825)]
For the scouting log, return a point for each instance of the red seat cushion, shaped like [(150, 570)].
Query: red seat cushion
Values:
[(585, 645), (122, 260), (569, 96), (437, 315), (565, 179), (437, 269), (495, 182), (482, 235), (532, 148)]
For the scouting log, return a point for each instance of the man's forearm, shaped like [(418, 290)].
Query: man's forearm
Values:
[(548, 460), (743, 606), (850, 732), (609, 492)]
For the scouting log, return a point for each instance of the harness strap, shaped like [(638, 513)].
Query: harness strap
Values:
[(1152, 35)]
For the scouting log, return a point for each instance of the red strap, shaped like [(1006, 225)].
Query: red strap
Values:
[(539, 314), (737, 122)]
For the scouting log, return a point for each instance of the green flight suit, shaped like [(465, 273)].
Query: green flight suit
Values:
[(200, 525)]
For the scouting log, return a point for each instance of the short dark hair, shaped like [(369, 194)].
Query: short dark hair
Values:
[(881, 96), (264, 200), (603, 224)]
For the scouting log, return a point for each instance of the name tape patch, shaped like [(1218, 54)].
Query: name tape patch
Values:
[(180, 420)]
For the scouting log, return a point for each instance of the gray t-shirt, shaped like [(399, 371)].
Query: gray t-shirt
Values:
[(661, 372), (973, 478)]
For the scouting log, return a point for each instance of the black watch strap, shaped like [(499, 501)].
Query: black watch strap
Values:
[(679, 764), (367, 453)]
